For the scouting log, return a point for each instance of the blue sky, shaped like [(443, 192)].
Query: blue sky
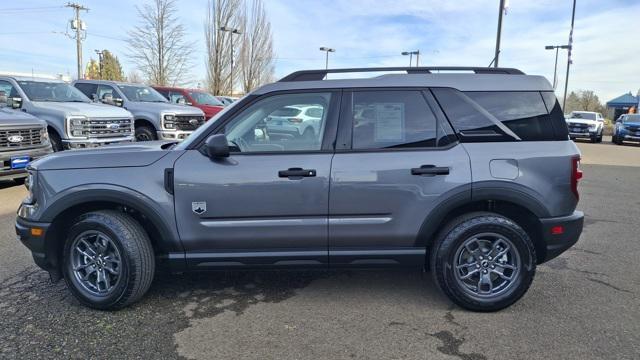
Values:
[(365, 33)]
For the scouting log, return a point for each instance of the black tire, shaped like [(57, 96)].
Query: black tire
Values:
[(594, 139), (136, 258), (145, 133), (614, 139), (455, 234), (56, 142), (600, 138)]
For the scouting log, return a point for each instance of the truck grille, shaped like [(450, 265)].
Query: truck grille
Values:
[(20, 138), (107, 128), (188, 122), (578, 127)]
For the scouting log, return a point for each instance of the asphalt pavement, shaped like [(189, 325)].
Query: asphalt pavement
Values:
[(584, 304)]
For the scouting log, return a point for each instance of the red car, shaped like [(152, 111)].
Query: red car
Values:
[(194, 97)]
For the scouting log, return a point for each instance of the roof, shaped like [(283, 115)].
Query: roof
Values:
[(462, 82), (623, 100), (106, 82), (32, 78)]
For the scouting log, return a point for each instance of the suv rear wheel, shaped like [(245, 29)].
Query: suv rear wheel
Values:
[(108, 260), (483, 261)]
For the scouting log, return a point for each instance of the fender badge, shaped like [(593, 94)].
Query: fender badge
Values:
[(199, 207)]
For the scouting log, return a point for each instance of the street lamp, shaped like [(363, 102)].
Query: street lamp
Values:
[(327, 50), (555, 67), (231, 31), (100, 53), (411, 53)]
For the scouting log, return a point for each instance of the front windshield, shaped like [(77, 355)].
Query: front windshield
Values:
[(205, 98), (52, 91), (631, 118), (583, 115), (141, 93)]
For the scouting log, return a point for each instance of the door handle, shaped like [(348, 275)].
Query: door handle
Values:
[(430, 170), (293, 173)]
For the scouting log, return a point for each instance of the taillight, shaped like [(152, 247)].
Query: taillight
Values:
[(295, 120), (576, 175)]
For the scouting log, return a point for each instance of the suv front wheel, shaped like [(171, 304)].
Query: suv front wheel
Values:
[(483, 261), (108, 260)]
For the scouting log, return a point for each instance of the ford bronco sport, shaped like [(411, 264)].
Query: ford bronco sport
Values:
[(469, 174), (73, 121), (155, 117)]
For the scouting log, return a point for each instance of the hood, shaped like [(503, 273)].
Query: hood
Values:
[(210, 110), (161, 107), (117, 155), (581, 121), (11, 117), (92, 110)]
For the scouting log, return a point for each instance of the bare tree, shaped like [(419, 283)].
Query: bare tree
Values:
[(220, 13), (256, 53), (157, 44), (135, 77)]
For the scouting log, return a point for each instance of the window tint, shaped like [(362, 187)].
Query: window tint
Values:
[(524, 113), (89, 90), (556, 115), (268, 125), (105, 92), (392, 119), (314, 112), (7, 92)]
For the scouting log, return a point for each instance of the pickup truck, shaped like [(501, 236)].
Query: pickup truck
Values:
[(73, 121), (585, 124), (201, 99), (155, 117)]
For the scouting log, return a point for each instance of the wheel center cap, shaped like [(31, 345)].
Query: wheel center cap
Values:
[(484, 263)]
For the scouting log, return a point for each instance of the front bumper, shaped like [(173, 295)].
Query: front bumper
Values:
[(37, 245), (6, 173), (173, 135), (630, 137), (89, 143), (558, 241), (589, 134)]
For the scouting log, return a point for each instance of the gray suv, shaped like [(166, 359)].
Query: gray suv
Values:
[(471, 175), (73, 121), (155, 117)]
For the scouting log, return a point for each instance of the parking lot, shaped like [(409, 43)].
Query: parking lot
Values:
[(584, 304)]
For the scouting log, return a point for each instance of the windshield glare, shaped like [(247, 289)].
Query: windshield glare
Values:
[(204, 98), (52, 91), (631, 118), (141, 93), (583, 115)]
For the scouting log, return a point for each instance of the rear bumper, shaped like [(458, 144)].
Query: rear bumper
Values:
[(558, 242), (36, 244)]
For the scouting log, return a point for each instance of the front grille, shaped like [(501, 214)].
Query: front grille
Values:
[(578, 127), (632, 128), (20, 138), (185, 123), (107, 128)]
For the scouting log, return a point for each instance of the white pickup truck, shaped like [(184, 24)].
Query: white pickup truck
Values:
[(585, 124)]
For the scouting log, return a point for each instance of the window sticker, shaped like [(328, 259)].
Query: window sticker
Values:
[(389, 125)]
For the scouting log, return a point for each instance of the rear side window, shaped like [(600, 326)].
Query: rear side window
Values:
[(524, 113), (392, 119), (89, 90), (556, 115)]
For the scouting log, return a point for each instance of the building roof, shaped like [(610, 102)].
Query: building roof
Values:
[(623, 100)]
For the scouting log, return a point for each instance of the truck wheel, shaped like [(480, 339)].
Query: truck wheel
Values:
[(594, 139), (108, 260), (145, 133), (483, 261), (56, 142)]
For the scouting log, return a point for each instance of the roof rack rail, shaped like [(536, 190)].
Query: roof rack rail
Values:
[(311, 75)]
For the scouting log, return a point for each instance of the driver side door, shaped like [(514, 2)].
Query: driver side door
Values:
[(267, 203)]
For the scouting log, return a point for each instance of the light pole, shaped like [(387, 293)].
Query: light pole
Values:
[(411, 53), (498, 35), (100, 53), (555, 67), (327, 50), (569, 61), (231, 32)]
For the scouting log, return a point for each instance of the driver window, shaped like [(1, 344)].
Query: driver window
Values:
[(290, 122), (106, 94)]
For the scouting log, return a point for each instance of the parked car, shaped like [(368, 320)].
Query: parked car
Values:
[(201, 99), (472, 176), (627, 128), (23, 138), (155, 118), (586, 124), (73, 121), (226, 100), (296, 121)]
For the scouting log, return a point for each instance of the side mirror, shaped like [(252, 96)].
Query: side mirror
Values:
[(217, 146), (16, 102), (118, 102)]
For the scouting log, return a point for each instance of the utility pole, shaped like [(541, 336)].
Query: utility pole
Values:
[(569, 61), (326, 59), (231, 32), (499, 35), (78, 25)]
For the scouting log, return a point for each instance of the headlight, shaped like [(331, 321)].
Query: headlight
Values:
[(44, 135), (28, 183), (168, 121), (75, 126), (593, 127)]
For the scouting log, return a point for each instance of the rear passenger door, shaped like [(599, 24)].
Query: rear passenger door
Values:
[(396, 161)]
